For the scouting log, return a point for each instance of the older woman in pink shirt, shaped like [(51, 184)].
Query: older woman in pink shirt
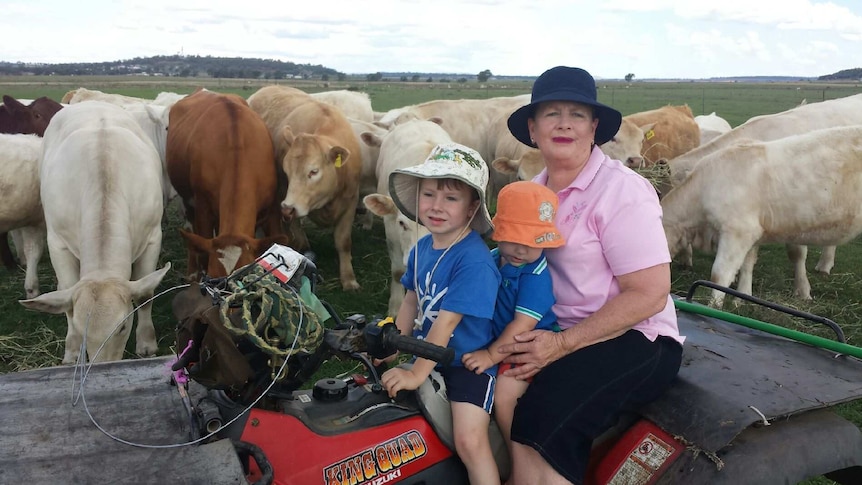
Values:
[(620, 347)]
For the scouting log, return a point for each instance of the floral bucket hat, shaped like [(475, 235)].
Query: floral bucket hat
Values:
[(446, 161)]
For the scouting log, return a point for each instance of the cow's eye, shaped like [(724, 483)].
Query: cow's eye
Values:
[(312, 173)]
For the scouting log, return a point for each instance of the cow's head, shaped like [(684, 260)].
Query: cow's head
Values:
[(33, 118), (311, 164), (401, 234), (100, 309), (626, 145), (227, 253)]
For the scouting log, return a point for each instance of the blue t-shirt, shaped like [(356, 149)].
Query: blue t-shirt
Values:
[(524, 289), (464, 281)]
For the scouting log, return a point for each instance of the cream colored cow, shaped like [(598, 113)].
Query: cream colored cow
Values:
[(100, 187), (320, 155), (799, 190), (406, 144)]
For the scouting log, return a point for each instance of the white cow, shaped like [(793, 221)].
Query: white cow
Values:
[(407, 144), (153, 120), (353, 104), (20, 205), (101, 192), (369, 136), (711, 126), (805, 189), (801, 119), (469, 122), (83, 94)]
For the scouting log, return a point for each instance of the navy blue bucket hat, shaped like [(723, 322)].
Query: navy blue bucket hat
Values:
[(563, 83)]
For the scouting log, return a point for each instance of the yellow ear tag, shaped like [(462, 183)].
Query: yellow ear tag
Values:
[(649, 135), (338, 162)]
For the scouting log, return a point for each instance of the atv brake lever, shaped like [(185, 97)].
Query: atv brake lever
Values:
[(372, 371)]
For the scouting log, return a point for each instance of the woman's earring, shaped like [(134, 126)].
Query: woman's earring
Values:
[(532, 141)]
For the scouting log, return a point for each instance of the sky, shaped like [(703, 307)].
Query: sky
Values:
[(692, 39)]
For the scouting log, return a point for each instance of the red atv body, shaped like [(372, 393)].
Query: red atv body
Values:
[(748, 407)]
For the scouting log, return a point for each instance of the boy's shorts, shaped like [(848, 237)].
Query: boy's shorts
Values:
[(465, 386)]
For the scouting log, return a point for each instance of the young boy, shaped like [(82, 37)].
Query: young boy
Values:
[(523, 227), (451, 282)]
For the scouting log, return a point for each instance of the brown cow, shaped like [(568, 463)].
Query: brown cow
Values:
[(668, 132), (220, 161), (320, 155), (15, 117)]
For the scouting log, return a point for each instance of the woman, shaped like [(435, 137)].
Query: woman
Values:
[(620, 347)]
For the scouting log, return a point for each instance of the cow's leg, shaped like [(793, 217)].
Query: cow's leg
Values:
[(6, 253), (204, 227), (33, 245), (826, 261), (746, 273), (18, 241), (67, 268), (797, 256), (732, 249), (343, 245), (145, 333)]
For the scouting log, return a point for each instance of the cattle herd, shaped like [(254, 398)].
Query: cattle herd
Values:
[(91, 177)]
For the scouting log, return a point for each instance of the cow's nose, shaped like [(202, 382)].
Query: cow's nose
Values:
[(287, 211)]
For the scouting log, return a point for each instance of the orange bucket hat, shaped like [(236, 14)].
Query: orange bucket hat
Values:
[(525, 215)]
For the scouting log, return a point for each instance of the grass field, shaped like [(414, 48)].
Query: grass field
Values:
[(29, 339)]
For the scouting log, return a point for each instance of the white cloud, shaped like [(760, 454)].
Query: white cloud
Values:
[(660, 38)]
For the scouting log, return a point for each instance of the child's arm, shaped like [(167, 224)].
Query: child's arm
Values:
[(481, 360), (407, 313), (397, 379)]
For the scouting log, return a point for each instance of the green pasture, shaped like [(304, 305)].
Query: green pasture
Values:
[(30, 339)]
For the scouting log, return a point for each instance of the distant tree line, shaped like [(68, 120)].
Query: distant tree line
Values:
[(182, 66)]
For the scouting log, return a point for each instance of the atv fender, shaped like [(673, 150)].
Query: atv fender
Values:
[(787, 451)]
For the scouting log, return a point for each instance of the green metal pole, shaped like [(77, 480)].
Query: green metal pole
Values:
[(814, 340)]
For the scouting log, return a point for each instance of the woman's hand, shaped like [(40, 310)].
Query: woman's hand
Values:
[(478, 361), (397, 379), (533, 350)]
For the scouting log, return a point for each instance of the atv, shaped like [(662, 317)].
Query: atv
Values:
[(751, 405)]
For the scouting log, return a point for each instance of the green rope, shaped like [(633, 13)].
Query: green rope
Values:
[(270, 313)]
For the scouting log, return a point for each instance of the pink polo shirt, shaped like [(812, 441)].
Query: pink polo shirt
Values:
[(610, 218)]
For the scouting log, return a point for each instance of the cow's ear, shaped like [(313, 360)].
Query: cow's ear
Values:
[(146, 286), (380, 205), (12, 104), (647, 128), (371, 139), (338, 156), (55, 302), (505, 165), (196, 242), (287, 136)]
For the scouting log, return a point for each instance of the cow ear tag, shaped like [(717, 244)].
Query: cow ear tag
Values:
[(338, 162), (649, 135)]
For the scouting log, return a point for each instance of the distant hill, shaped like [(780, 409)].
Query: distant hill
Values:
[(845, 75), (183, 66), (253, 68)]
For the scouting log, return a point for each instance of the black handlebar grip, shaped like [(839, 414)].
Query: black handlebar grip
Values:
[(421, 348)]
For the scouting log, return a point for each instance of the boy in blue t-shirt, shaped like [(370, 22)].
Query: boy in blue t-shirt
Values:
[(523, 227), (451, 288)]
